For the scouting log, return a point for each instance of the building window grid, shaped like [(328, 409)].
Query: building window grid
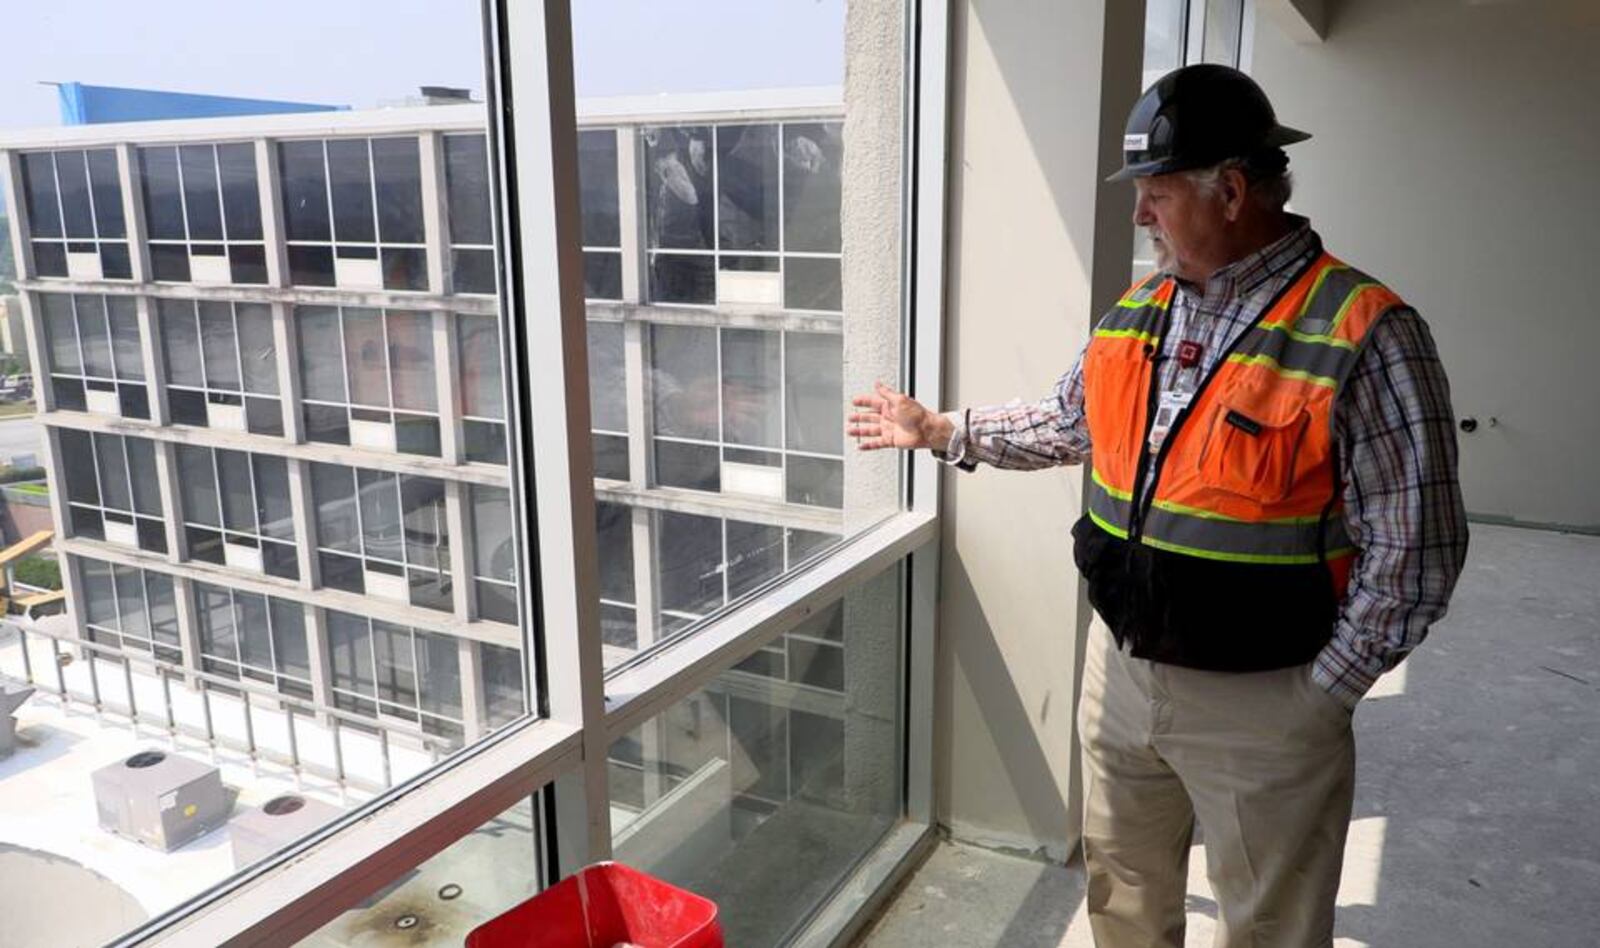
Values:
[(260, 422), (674, 620), (781, 254), (485, 440), (65, 241), (259, 538), (167, 649), (723, 445), (149, 528), (614, 251), (129, 386), (236, 666), (440, 575), (354, 410), (374, 705), (455, 244), (227, 242), (379, 245)]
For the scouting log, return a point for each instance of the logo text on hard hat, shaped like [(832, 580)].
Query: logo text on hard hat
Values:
[(1138, 142)]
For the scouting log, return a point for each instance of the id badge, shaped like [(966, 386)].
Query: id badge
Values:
[(1171, 404)]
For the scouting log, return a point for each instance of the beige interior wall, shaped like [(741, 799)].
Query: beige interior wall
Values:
[(1038, 245), (1455, 159)]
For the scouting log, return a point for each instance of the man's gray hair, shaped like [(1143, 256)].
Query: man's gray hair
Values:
[(1268, 177)]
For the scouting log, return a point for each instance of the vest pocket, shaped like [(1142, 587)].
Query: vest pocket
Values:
[(1114, 397), (1253, 441)]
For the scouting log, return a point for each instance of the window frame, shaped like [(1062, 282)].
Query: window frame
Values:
[(560, 752), (188, 242)]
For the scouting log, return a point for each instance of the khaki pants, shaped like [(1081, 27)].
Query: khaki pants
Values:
[(1264, 761)]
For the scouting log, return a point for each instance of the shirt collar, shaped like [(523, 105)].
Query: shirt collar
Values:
[(1247, 274)]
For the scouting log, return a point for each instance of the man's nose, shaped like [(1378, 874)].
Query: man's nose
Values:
[(1141, 214)]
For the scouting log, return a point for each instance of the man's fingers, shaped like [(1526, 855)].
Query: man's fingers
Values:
[(867, 416), (884, 391), (868, 401), (867, 430)]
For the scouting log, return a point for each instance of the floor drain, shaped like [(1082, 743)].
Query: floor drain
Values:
[(406, 921), (449, 891)]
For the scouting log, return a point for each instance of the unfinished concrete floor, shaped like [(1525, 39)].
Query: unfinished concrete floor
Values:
[(1478, 788)]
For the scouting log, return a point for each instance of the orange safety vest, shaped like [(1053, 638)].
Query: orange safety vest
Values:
[(1247, 475)]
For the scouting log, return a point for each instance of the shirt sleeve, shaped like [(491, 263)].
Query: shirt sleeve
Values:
[(1024, 436), (1395, 431)]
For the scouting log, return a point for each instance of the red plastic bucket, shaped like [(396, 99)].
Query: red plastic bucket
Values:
[(601, 906)]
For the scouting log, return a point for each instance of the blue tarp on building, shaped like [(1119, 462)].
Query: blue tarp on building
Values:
[(92, 105)]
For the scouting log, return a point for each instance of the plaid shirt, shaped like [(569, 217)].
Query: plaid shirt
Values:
[(1395, 432)]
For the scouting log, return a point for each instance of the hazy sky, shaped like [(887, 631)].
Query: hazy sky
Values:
[(365, 52)]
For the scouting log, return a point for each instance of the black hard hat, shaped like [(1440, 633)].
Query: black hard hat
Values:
[(1197, 116)]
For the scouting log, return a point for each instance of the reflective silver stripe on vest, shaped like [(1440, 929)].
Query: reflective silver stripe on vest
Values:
[(1327, 364), (1110, 510), (1243, 542)]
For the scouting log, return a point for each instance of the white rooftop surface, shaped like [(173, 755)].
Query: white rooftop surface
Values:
[(47, 800)]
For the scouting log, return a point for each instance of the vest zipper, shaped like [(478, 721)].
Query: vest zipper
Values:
[(1141, 503)]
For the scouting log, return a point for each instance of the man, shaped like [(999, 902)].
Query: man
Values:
[(1274, 521)]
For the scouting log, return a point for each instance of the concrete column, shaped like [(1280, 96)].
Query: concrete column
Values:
[(268, 183), (646, 598), (446, 371), (184, 598), (1039, 246), (435, 218), (155, 365), (166, 454), (636, 381), (456, 514), (474, 707), (630, 199), (872, 700), (321, 664), (44, 394), (871, 214), (304, 508), (288, 356), (17, 211), (133, 212)]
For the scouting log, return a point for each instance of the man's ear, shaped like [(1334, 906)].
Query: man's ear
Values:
[(1234, 189)]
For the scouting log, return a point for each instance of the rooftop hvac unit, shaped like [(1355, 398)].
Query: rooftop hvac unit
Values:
[(260, 832), (159, 799)]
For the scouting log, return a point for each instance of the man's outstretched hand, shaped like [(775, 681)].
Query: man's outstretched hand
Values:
[(890, 419)]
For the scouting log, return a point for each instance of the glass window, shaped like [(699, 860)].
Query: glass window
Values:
[(383, 534), (1224, 23), (482, 392), (102, 471), (770, 237), (494, 556), (222, 365), (368, 378), (236, 510), (247, 635), (472, 261), (383, 670), (93, 345), (751, 767), (74, 205), (130, 608), (353, 213), (750, 412), (203, 212)]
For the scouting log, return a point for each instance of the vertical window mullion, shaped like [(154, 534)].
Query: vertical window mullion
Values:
[(327, 189), (222, 206), (61, 207), (372, 186), (194, 309), (94, 219), (183, 199), (716, 256), (233, 314)]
